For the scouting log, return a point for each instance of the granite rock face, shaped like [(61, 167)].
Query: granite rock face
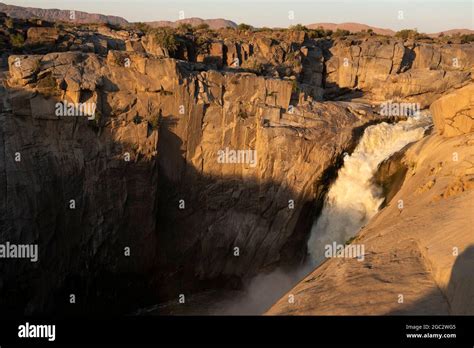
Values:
[(394, 70), (417, 260), (453, 114), (424, 251), (145, 173), (200, 166), (380, 68)]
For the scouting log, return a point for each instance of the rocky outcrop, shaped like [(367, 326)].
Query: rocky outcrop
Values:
[(453, 114), (380, 68), (180, 207), (68, 187), (191, 173), (42, 36), (418, 250), (393, 70)]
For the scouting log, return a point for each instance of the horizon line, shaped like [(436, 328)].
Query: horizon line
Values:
[(250, 22)]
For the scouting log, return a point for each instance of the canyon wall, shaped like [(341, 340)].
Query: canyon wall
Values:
[(135, 206), (396, 70), (144, 173), (419, 249)]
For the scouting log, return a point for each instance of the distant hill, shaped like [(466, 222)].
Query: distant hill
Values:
[(59, 15), (53, 15), (352, 27), (217, 23), (356, 27), (452, 32)]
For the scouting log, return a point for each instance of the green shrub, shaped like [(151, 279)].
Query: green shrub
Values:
[(412, 34), (292, 59), (291, 55), (59, 25), (244, 27), (319, 33), (185, 27), (9, 23), (314, 34), (165, 38), (298, 27), (341, 33), (202, 26), (407, 34), (467, 38), (17, 40), (202, 43), (142, 27)]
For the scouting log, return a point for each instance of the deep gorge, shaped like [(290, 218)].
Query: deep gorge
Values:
[(172, 113)]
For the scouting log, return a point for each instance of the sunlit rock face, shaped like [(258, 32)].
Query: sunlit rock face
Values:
[(418, 250), (145, 173), (393, 69), (193, 172), (453, 113)]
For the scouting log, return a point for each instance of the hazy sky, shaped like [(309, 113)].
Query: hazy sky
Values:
[(425, 15)]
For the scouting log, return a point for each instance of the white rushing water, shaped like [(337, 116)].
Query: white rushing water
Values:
[(353, 198)]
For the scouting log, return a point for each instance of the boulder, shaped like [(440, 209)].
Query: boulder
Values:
[(453, 114), (42, 36)]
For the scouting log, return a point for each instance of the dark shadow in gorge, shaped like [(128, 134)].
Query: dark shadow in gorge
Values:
[(260, 287), (180, 180), (135, 204), (81, 250), (200, 239), (130, 204)]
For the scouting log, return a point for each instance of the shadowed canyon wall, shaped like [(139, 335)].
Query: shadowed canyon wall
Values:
[(145, 173)]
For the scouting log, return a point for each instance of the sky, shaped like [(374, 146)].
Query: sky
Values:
[(425, 15)]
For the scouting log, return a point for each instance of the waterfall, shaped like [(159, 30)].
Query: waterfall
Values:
[(351, 201), (354, 198)]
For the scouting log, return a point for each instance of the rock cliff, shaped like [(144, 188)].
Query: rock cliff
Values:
[(419, 248), (453, 114), (204, 162), (171, 121)]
